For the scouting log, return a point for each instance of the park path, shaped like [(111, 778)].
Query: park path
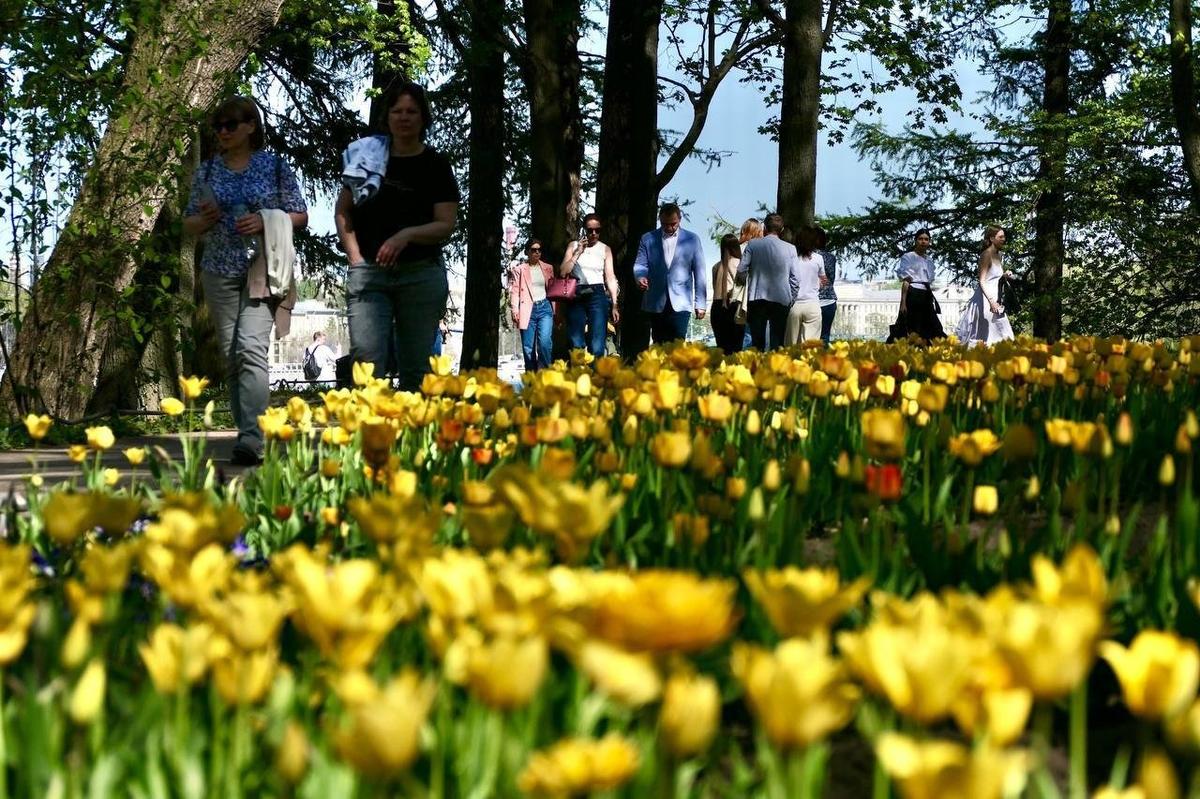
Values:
[(55, 467)]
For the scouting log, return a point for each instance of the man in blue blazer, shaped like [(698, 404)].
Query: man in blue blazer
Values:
[(670, 269)]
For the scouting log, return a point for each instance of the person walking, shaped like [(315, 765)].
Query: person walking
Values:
[(769, 266), (590, 262), (827, 296), (728, 332), (320, 361), (392, 225), (918, 313), (532, 313), (670, 268), (230, 194), (984, 320), (804, 315)]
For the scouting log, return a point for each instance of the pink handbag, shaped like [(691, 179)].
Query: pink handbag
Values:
[(561, 288)]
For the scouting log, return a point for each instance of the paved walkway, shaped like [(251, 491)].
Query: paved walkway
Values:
[(55, 467)]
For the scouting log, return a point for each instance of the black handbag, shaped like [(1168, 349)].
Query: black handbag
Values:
[(1009, 295)]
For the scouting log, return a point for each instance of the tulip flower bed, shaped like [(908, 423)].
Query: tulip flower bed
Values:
[(682, 577)]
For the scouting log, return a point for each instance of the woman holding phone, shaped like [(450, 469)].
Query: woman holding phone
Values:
[(227, 192), (984, 320), (590, 262)]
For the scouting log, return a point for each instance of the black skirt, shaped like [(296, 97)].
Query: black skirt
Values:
[(921, 319)]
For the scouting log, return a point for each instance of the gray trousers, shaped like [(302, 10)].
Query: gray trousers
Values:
[(394, 313), (244, 336)]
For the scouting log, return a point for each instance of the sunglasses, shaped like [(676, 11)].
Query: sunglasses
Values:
[(535, 249), (227, 125), (592, 230)]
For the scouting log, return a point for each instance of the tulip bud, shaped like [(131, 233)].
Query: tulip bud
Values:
[(772, 475), (1166, 471), (753, 423), (77, 643), (88, 696), (1124, 431), (757, 510), (1032, 489), (842, 467), (690, 713), (986, 500), (1183, 444), (1191, 425), (291, 760)]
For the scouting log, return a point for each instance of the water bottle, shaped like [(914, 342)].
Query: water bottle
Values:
[(250, 244)]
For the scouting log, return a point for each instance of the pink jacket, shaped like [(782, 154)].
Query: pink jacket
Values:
[(520, 296)]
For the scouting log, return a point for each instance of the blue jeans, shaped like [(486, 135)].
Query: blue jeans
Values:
[(394, 314), (243, 328), (538, 332), (669, 325), (591, 312), (827, 314)]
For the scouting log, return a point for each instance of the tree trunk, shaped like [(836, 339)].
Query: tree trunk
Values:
[(1050, 211), (551, 71), (1183, 94), (392, 66), (485, 74), (180, 64), (800, 109), (628, 159)]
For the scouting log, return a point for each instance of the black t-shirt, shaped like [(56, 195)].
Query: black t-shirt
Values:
[(412, 186)]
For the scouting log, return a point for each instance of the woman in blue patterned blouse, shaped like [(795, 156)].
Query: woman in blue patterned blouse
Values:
[(228, 191)]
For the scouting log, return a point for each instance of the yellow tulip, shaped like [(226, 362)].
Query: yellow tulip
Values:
[(363, 373), (715, 407), (883, 433), (1159, 672), (1050, 648), (799, 602), (671, 450), (690, 715), (88, 697), (176, 658), (943, 770), (192, 387), (1156, 776), (578, 766), (799, 693), (664, 611), (100, 438), (243, 678), (920, 664), (971, 448), (631, 679), (931, 397), (1166, 471), (985, 500), (292, 756), (1081, 577), (37, 426), (507, 672), (135, 455), (172, 406), (383, 735), (77, 452)]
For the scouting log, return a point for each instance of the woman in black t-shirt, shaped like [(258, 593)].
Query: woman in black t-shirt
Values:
[(396, 289)]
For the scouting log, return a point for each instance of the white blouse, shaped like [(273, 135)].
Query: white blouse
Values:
[(591, 264), (916, 268), (537, 282)]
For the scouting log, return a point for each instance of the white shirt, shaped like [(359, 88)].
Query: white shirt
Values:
[(537, 283), (591, 264), (326, 359), (809, 270), (916, 268), (669, 243)]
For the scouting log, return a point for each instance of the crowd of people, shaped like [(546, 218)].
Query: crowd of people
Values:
[(772, 286)]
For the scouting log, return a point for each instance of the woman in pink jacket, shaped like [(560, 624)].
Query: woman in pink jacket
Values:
[(532, 313)]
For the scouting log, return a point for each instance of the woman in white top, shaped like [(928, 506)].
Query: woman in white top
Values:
[(918, 307), (590, 261), (532, 312), (984, 320), (804, 317), (729, 333)]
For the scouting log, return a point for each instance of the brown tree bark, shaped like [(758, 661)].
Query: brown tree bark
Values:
[(626, 192), (485, 186), (800, 108), (179, 65), (1050, 210), (1183, 94), (551, 71)]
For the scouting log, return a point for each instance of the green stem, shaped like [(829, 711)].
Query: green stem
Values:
[(1078, 742)]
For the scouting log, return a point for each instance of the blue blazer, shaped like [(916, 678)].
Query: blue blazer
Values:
[(684, 280)]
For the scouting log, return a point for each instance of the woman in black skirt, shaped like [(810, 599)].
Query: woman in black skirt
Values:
[(918, 307)]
